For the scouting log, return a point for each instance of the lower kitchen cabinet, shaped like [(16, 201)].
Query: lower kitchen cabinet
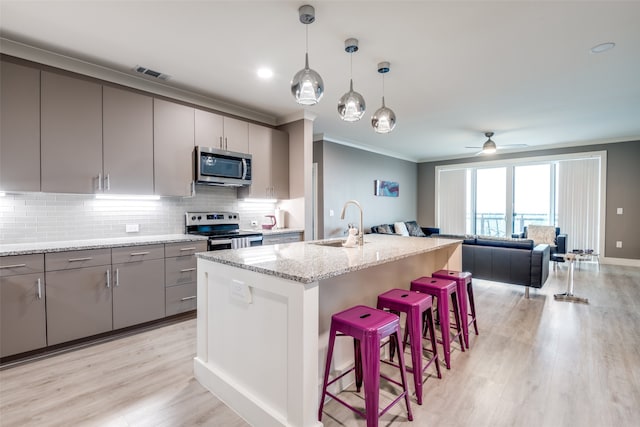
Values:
[(79, 303), (282, 237), (22, 304), (138, 285), (181, 276)]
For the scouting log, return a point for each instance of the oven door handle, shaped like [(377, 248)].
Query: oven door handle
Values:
[(219, 242), (255, 238)]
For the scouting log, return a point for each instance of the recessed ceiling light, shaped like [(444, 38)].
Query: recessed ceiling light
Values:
[(265, 73), (603, 47)]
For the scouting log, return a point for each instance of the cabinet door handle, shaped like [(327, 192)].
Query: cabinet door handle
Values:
[(100, 181), (186, 270), (107, 183), (226, 143), (39, 288), (221, 146), (117, 277), (184, 249), (80, 259), (108, 278), (15, 265), (139, 253), (188, 298)]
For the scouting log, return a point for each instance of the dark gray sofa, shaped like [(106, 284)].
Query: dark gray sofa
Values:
[(514, 261)]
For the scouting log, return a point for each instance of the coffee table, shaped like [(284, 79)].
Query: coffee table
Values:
[(569, 296)]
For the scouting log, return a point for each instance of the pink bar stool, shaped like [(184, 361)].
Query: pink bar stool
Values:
[(416, 306), (441, 289), (465, 298), (368, 326)]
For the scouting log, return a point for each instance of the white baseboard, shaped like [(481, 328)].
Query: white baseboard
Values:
[(620, 261)]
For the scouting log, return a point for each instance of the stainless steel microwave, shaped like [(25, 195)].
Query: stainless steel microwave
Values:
[(220, 167)]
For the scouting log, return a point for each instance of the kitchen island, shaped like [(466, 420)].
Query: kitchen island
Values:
[(264, 315)]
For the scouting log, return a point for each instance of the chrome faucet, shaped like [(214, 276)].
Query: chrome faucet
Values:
[(360, 230)]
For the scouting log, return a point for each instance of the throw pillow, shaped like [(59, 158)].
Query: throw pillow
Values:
[(542, 234), (385, 229), (400, 228), (414, 229)]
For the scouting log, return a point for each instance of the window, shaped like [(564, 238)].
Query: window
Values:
[(501, 198)]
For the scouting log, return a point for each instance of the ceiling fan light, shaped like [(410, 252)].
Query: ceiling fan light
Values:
[(307, 85), (384, 119), (489, 147), (351, 105)]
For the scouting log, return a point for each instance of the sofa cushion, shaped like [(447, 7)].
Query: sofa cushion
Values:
[(414, 229), (384, 229), (505, 243), (542, 234), (400, 228)]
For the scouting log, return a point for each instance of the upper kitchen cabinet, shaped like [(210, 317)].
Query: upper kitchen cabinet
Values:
[(127, 142), (269, 149), (71, 140), (20, 129), (224, 133), (173, 144)]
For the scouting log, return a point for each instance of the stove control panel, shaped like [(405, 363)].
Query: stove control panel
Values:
[(211, 218)]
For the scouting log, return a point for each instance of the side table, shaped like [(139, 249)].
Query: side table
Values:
[(569, 296)]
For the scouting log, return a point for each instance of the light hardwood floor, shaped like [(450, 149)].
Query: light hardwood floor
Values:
[(536, 362)]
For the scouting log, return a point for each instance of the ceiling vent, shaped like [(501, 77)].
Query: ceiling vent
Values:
[(151, 73)]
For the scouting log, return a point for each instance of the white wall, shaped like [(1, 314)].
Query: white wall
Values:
[(38, 217)]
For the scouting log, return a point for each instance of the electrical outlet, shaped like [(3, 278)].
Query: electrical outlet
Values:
[(619, 211), (618, 244), (132, 228), (254, 223), (331, 212)]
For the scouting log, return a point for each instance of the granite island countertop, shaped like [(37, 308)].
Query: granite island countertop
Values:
[(113, 242), (311, 261)]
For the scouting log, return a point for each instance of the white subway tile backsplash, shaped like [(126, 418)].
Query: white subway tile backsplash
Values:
[(37, 217)]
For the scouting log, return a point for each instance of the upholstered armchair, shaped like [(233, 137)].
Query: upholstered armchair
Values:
[(558, 246)]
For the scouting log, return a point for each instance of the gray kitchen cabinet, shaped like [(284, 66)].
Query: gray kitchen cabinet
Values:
[(270, 167), (173, 144), (282, 237), (20, 129), (79, 297), (181, 276), (71, 134), (22, 304), (138, 285), (224, 133), (127, 142)]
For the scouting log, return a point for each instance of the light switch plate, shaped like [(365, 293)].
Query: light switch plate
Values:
[(619, 211), (618, 244)]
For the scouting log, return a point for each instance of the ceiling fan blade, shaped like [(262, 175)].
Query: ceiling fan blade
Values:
[(473, 147), (514, 145)]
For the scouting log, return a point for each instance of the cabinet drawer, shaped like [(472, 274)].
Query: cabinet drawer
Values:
[(184, 248), (136, 253), (77, 259), (276, 239), (21, 264), (181, 298), (180, 270)]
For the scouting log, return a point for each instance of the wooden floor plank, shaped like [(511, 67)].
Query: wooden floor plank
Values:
[(537, 362)]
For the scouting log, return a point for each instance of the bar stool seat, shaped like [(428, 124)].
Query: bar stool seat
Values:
[(368, 326), (465, 298), (417, 307), (442, 289)]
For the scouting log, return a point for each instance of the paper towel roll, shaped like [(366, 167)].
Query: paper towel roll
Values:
[(280, 218)]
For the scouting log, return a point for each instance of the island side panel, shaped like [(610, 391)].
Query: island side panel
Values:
[(259, 353), (363, 287)]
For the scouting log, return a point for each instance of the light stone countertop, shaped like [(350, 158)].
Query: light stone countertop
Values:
[(307, 262), (113, 242)]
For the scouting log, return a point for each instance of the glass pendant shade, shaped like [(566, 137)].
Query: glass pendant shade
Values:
[(489, 147), (351, 105), (307, 85), (384, 119)]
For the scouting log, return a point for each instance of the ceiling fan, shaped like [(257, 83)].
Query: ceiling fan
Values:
[(490, 147)]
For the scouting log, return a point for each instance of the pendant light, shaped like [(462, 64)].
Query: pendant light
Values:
[(351, 105), (384, 119), (307, 86), (489, 147)]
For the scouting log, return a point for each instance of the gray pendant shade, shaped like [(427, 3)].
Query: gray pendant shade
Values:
[(351, 105), (384, 119), (307, 86)]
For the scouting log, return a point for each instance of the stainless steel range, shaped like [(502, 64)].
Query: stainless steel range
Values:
[(223, 230)]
